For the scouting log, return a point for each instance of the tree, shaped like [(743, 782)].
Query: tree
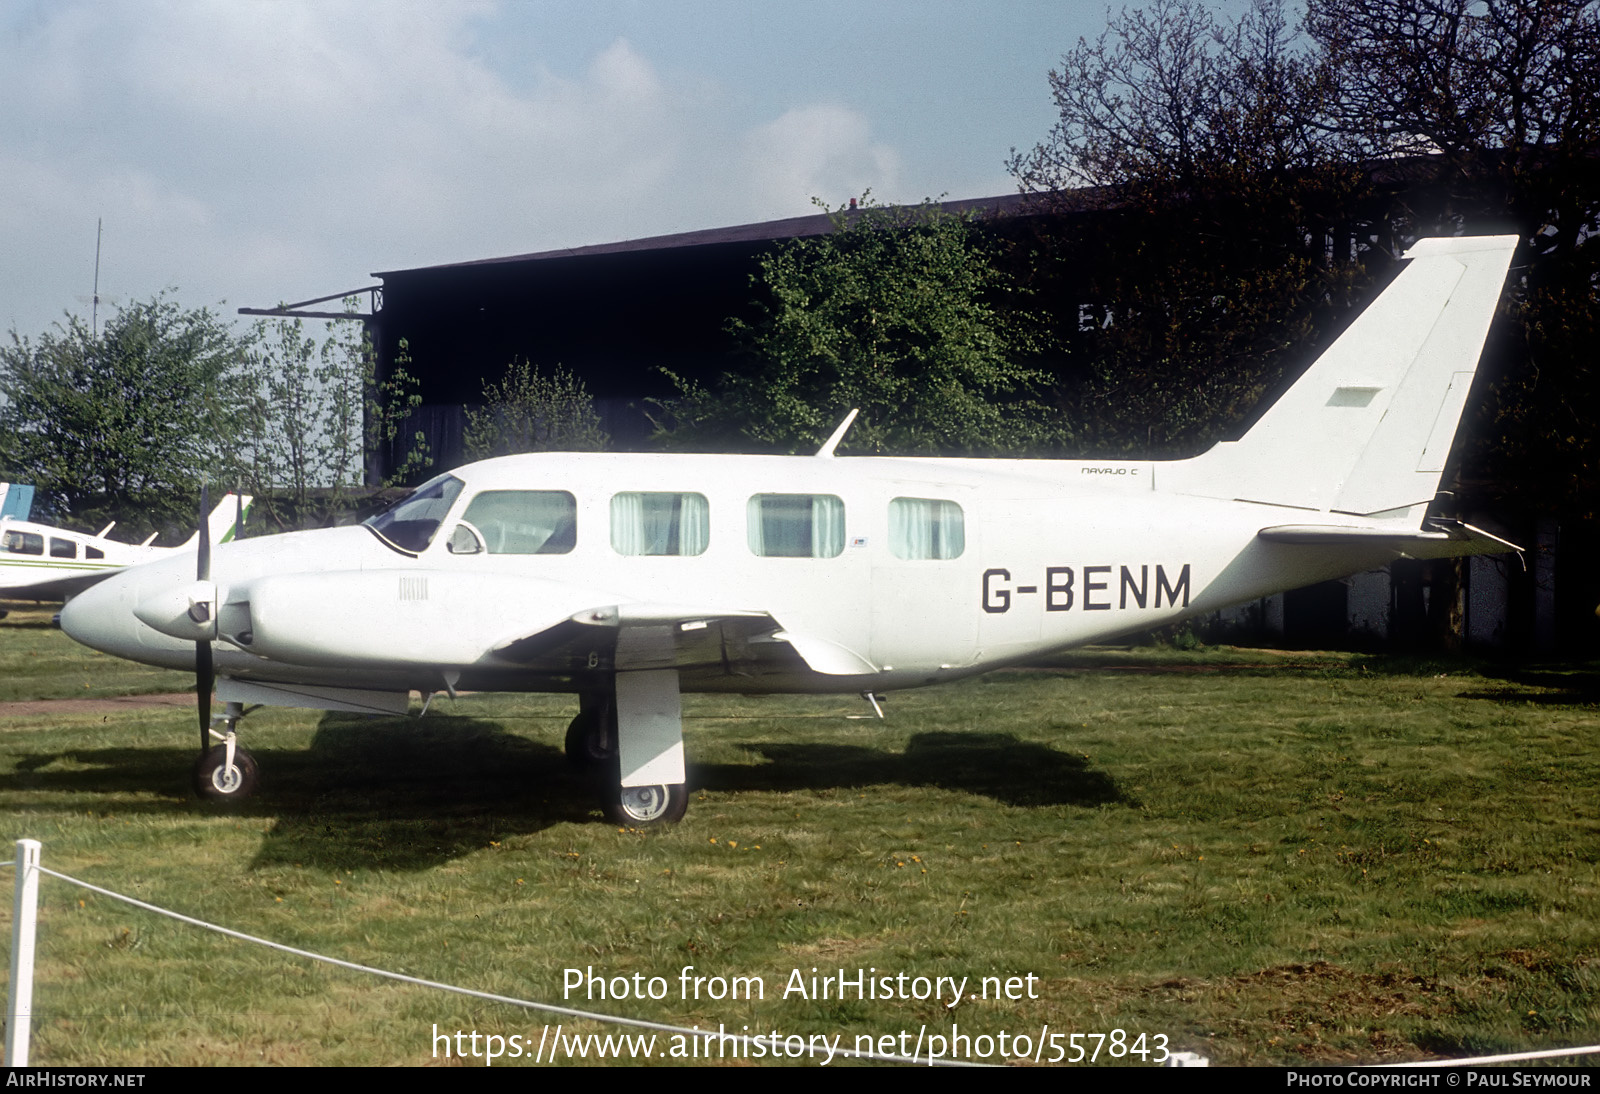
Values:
[(392, 402), (1255, 185), (127, 423), (301, 437), (901, 312), (1220, 198), (528, 411), (1497, 104)]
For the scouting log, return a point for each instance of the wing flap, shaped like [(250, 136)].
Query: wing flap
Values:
[(639, 637)]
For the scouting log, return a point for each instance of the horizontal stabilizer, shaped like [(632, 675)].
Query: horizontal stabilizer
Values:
[(1453, 540)]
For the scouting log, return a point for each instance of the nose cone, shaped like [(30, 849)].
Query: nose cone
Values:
[(101, 617)]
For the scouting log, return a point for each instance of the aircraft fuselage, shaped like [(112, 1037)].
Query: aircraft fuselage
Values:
[(904, 572)]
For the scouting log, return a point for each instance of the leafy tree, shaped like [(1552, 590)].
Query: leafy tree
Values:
[(302, 431), (315, 418), (391, 403), (528, 411), (1254, 186), (1219, 196), (1497, 104), (902, 312), (124, 424)]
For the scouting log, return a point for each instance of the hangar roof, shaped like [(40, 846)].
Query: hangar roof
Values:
[(765, 231)]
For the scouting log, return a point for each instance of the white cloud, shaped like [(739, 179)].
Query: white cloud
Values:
[(823, 151), (262, 151)]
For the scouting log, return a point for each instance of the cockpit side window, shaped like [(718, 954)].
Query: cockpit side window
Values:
[(525, 522), (62, 548), (23, 543), (411, 522)]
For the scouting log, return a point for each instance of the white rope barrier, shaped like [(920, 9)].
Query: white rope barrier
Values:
[(19, 1016), (1506, 1058), (721, 1037)]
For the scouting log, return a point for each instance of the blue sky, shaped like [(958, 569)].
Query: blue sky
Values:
[(259, 152)]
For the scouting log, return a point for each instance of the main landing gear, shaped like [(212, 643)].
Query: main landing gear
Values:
[(226, 772), (631, 739), (630, 735)]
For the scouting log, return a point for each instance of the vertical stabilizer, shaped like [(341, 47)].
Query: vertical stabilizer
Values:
[(220, 525), (1366, 430), (16, 500)]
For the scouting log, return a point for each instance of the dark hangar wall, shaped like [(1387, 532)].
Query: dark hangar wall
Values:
[(613, 314), (612, 319)]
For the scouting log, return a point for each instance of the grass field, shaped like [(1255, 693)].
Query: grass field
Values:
[(1264, 858)]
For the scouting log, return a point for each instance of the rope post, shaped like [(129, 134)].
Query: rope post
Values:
[(24, 924)]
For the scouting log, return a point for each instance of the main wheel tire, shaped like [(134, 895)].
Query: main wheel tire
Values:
[(592, 735), (215, 781), (642, 806)]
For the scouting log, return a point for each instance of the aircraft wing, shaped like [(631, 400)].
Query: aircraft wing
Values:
[(632, 637), (1453, 539)]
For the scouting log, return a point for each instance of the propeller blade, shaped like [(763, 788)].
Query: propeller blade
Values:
[(204, 680), (203, 562), (238, 511), (204, 668)]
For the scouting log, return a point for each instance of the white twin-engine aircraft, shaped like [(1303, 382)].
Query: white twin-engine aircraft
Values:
[(38, 562), (629, 579)]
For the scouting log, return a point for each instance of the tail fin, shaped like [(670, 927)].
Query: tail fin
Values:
[(233, 508), (16, 500), (1367, 429)]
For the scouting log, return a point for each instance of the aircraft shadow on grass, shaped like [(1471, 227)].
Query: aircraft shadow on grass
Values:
[(391, 794), (1578, 685)]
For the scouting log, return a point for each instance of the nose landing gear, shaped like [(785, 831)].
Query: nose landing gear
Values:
[(226, 772)]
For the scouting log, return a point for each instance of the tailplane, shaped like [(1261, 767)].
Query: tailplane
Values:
[(1366, 430)]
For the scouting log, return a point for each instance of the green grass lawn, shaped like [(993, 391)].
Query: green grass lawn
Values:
[(1264, 858), (37, 661)]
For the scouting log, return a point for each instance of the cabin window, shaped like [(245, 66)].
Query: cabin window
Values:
[(795, 525), (63, 548), (660, 524), (525, 522), (93, 552), (924, 528), (24, 543), (411, 522)]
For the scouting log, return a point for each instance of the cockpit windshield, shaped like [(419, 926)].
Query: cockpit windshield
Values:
[(411, 522)]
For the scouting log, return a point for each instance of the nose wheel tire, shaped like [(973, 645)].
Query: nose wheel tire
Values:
[(216, 780), (641, 806)]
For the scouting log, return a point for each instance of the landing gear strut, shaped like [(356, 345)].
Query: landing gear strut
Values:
[(632, 737), (226, 772)]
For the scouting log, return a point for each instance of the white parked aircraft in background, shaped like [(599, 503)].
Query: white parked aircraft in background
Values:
[(38, 562), (631, 578)]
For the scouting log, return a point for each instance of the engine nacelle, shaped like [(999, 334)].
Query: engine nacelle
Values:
[(429, 618)]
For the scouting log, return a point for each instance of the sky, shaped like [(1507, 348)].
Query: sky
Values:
[(248, 154)]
